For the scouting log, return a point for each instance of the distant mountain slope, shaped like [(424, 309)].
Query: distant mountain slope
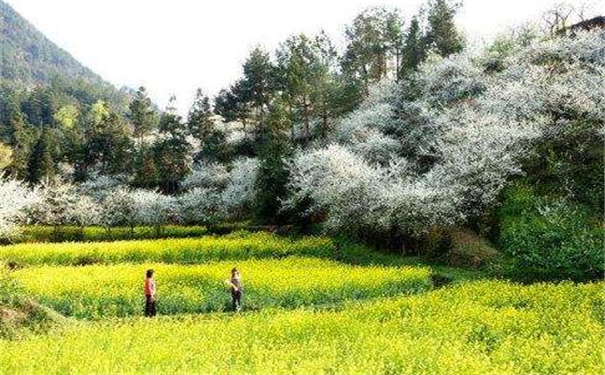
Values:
[(29, 58)]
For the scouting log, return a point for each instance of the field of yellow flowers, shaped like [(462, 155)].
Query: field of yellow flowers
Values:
[(116, 290), (235, 246), (307, 310), (474, 328)]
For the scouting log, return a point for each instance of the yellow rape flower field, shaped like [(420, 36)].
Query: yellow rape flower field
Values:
[(94, 291), (173, 250), (304, 313)]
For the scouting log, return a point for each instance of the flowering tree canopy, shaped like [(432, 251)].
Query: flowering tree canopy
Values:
[(438, 147)]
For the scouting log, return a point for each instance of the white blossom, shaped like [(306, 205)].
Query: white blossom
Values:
[(438, 149), (155, 209), (239, 193), (200, 205), (14, 197), (206, 175)]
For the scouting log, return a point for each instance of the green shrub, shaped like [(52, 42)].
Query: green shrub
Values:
[(469, 250), (550, 237), (436, 244)]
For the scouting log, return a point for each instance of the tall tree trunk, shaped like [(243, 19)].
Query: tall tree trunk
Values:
[(324, 126), (307, 116), (291, 123)]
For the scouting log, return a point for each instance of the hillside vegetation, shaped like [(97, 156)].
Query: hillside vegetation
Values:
[(29, 59)]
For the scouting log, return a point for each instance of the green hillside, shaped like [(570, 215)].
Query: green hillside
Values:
[(29, 59)]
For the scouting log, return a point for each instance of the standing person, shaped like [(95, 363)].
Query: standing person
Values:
[(149, 288), (236, 289)]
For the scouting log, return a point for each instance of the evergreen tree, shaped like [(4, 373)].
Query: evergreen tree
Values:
[(24, 140), (300, 71), (142, 115), (414, 48), (226, 105), (171, 150), (16, 133), (40, 165), (442, 34), (272, 175), (108, 146), (235, 105), (393, 35), (373, 38), (202, 127), (39, 107), (145, 171), (199, 121), (11, 116), (326, 90), (258, 84)]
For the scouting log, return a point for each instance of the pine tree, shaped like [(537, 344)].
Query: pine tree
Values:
[(201, 126), (258, 84), (199, 121), (414, 48), (442, 34), (108, 146), (171, 150), (16, 133), (142, 115), (373, 38), (272, 175), (300, 70), (40, 165), (235, 104), (145, 171)]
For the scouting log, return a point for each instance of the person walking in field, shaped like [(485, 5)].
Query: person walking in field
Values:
[(149, 288), (236, 289)]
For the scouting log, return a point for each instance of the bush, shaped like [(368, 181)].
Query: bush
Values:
[(470, 250), (550, 238), (436, 244)]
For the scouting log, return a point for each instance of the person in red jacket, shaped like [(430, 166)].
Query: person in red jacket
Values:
[(149, 289)]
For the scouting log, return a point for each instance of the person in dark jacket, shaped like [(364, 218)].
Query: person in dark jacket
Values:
[(236, 289)]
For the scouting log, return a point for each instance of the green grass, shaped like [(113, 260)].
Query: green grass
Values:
[(472, 328)]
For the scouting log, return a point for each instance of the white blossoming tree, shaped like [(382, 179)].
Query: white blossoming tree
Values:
[(238, 195), (438, 148), (14, 197)]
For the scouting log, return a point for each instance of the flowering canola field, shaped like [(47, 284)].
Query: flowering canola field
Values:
[(304, 314), (116, 290), (473, 328), (174, 250)]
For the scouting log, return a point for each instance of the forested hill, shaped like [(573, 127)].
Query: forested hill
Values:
[(28, 58)]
